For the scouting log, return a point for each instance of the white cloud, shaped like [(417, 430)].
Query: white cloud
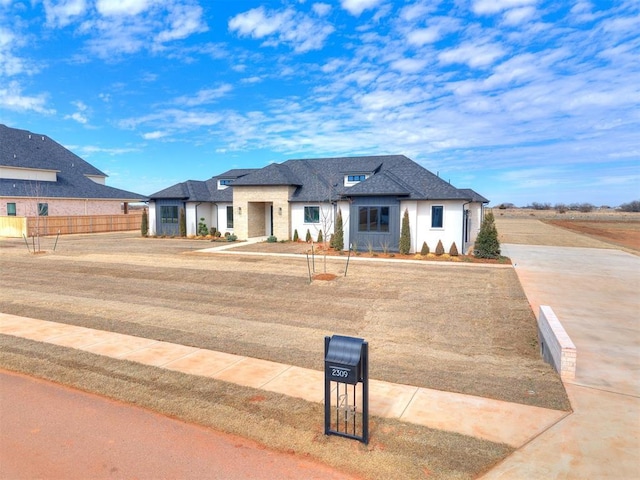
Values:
[(11, 98), (474, 55), (80, 115), (517, 16), (154, 135), (204, 96), (356, 7), (62, 13), (123, 7), (321, 9), (484, 7), (183, 20), (300, 31), (408, 65)]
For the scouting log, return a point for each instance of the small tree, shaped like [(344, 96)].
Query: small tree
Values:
[(182, 223), (405, 234), (439, 248), (425, 249), (202, 228), (487, 244), (307, 238), (453, 251), (295, 235), (337, 240), (144, 226), (320, 239)]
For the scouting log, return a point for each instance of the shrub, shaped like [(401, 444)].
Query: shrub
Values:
[(337, 240), (203, 231), (218, 234), (561, 208), (182, 223), (295, 235), (631, 206), (540, 206), (487, 244), (226, 234), (384, 244), (370, 247), (271, 239), (405, 234), (320, 239), (308, 237), (453, 251), (212, 231), (439, 248), (425, 249), (144, 226), (231, 238)]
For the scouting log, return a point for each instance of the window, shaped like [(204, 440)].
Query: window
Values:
[(311, 214), (436, 216), (373, 219), (169, 214), (226, 182), (356, 178), (229, 216), (43, 209), (11, 209)]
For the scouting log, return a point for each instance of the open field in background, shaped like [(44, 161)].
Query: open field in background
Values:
[(462, 328), (598, 229)]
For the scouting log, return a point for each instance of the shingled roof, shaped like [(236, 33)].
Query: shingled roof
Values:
[(27, 150), (322, 179)]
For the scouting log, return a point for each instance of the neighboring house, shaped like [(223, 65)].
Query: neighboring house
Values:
[(304, 195), (39, 177)]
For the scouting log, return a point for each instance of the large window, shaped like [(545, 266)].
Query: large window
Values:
[(437, 212), (356, 178), (229, 217), (43, 209), (373, 219), (311, 214), (11, 209), (169, 214)]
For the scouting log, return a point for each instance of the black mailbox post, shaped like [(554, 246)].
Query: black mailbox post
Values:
[(346, 368)]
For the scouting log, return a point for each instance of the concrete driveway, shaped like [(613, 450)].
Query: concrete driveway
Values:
[(595, 294)]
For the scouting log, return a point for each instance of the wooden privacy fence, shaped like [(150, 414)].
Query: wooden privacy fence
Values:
[(83, 224)]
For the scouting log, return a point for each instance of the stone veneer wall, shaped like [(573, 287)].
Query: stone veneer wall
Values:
[(250, 204), (556, 347)]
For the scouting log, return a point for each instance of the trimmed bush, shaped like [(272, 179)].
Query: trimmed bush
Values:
[(320, 238), (439, 248), (405, 234), (203, 231), (144, 226), (425, 249), (231, 238), (308, 236), (337, 240), (453, 251), (182, 223), (487, 244), (271, 239), (295, 235)]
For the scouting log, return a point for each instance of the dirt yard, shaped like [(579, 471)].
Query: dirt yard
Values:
[(456, 327)]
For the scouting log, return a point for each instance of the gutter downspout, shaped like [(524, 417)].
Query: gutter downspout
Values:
[(464, 226), (196, 225)]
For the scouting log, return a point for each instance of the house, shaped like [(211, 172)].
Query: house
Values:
[(39, 177), (372, 194)]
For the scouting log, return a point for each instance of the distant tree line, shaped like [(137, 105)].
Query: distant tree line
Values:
[(633, 206)]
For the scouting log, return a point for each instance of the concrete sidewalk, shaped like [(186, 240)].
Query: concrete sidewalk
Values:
[(498, 421), (594, 293)]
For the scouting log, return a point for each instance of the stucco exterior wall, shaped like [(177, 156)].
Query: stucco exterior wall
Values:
[(326, 221), (450, 232), (28, 207)]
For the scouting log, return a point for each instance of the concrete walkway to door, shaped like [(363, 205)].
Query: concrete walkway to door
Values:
[(594, 293)]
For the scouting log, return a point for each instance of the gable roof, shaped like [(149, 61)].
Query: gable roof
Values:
[(22, 149), (203, 191), (474, 196)]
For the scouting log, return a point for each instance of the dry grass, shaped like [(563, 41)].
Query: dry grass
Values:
[(461, 328)]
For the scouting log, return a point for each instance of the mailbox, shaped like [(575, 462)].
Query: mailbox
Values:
[(346, 387), (343, 361)]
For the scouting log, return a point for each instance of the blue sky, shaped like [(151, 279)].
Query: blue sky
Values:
[(522, 100)]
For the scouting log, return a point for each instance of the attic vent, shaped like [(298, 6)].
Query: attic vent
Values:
[(14, 155), (29, 136), (43, 139)]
